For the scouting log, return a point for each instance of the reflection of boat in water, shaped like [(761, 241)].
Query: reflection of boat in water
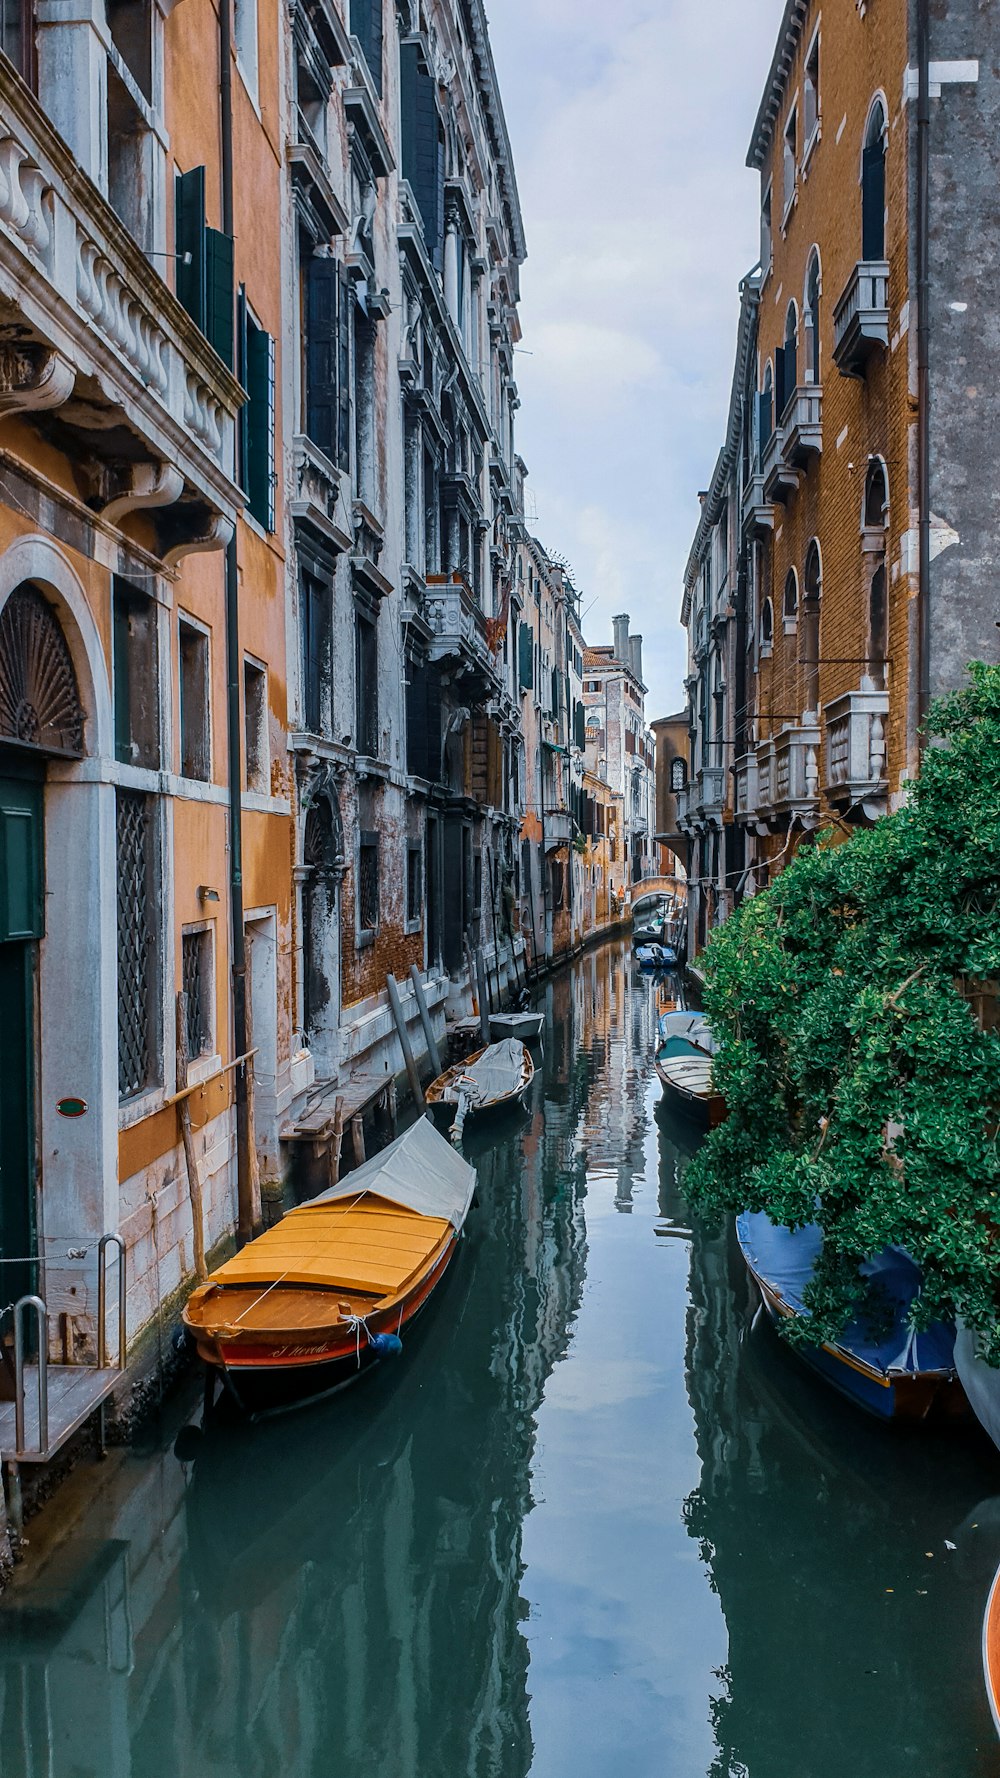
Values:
[(684, 1064), (328, 1291), (880, 1361)]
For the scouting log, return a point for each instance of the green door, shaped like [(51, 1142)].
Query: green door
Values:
[(21, 926)]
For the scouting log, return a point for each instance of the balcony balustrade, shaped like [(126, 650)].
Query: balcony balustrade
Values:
[(856, 749), (711, 793), (802, 425), (93, 337), (558, 828), (746, 787), (780, 477), (758, 513), (861, 317), (787, 775), (458, 633)]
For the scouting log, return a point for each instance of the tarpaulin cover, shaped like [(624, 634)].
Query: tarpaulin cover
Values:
[(500, 1070), (785, 1258), (692, 1026), (420, 1171), (981, 1381)]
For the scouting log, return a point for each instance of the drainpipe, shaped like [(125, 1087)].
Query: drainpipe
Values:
[(923, 367), (244, 1170)]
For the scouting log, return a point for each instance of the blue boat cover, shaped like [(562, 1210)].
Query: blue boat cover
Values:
[(785, 1258)]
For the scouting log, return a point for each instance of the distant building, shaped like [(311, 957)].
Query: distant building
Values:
[(672, 744), (619, 745)]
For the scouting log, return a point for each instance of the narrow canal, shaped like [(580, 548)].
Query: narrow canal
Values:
[(594, 1522)]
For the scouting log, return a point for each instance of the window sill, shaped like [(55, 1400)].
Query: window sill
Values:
[(136, 1109), (412, 927), (789, 625), (789, 207), (202, 1067), (364, 940), (766, 650), (810, 147)]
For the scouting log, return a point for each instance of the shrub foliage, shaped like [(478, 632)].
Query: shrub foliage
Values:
[(863, 1086)]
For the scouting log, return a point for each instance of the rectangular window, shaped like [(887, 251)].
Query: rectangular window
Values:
[(196, 983), (421, 148), (245, 38), (255, 726), (791, 158), (366, 685), (255, 369), (127, 143), (17, 37), (810, 93), (364, 408), (368, 882), (136, 686), (136, 958), (366, 26), (414, 883), (765, 230), (195, 727), (315, 599), (328, 358)]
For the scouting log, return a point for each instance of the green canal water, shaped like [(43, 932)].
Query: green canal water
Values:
[(595, 1521)]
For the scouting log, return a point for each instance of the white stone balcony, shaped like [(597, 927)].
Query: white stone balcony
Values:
[(710, 794), (746, 787), (558, 828), (316, 494), (779, 476), (459, 634), (91, 335), (757, 512), (802, 425), (856, 749), (861, 317), (682, 804), (788, 774)]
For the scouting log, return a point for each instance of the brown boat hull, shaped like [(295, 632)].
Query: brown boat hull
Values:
[(272, 1372)]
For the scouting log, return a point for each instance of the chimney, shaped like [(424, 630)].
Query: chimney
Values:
[(620, 627), (635, 656)]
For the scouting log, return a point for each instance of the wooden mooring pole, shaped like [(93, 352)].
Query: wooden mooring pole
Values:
[(404, 1041), (433, 1053)]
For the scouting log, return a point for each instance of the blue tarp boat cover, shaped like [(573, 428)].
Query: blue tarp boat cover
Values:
[(785, 1258)]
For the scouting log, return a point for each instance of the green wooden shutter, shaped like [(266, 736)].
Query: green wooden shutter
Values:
[(243, 417), (580, 726), (525, 657), (22, 902), (366, 26), (322, 354), (260, 424), (419, 141), (189, 238), (219, 293)]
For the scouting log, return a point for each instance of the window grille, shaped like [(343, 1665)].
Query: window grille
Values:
[(366, 686), (196, 981), (135, 1049), (368, 882)]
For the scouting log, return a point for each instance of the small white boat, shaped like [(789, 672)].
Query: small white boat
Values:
[(525, 1026)]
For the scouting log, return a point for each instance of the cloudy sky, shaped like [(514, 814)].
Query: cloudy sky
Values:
[(630, 121)]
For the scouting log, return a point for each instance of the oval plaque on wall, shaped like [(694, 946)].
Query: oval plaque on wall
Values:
[(71, 1107)]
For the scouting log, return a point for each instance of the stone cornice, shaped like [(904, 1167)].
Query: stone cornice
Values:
[(777, 80)]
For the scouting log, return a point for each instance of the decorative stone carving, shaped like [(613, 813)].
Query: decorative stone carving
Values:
[(114, 310), (24, 198), (145, 485), (214, 533), (32, 378)]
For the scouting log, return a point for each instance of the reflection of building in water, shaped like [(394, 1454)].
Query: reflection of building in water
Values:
[(814, 1523), (341, 1589), (616, 1018)]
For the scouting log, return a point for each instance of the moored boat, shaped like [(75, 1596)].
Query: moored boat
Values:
[(684, 1064), (491, 1079), (331, 1289), (651, 956), (991, 1650), (525, 1026), (880, 1361)]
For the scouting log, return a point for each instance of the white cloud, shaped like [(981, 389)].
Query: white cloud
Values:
[(630, 123)]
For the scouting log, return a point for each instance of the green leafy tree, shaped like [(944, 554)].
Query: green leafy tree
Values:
[(856, 1059)]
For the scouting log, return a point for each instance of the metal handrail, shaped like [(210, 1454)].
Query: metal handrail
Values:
[(103, 1244), (42, 1320)]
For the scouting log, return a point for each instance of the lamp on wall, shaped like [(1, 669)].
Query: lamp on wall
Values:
[(207, 894)]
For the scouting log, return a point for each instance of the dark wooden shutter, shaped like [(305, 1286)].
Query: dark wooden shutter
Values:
[(873, 201), (344, 372), (260, 424), (322, 354), (580, 726), (22, 899), (419, 142), (366, 26), (780, 390), (120, 670), (525, 657), (219, 293), (243, 418), (791, 366), (189, 238), (416, 719)]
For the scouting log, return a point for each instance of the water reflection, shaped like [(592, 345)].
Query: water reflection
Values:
[(596, 1521)]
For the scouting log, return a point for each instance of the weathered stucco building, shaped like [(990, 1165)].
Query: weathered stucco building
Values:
[(845, 563)]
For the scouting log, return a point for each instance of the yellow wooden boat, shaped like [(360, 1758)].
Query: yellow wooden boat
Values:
[(313, 1302)]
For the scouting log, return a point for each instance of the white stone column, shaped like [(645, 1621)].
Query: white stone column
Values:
[(451, 265), (73, 79)]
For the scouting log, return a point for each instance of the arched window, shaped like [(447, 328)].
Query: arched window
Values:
[(766, 628), (812, 587), (876, 496), (678, 773), (790, 603), (873, 186), (39, 697), (811, 320)]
